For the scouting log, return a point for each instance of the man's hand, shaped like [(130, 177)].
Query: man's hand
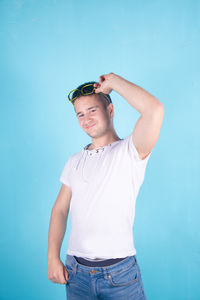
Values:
[(57, 272), (105, 83)]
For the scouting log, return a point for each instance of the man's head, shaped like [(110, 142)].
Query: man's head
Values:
[(87, 88), (94, 111)]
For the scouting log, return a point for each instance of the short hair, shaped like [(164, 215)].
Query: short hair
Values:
[(104, 98)]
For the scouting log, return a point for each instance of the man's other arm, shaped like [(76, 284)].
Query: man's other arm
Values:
[(56, 270)]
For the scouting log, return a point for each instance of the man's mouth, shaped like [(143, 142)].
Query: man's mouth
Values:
[(90, 126)]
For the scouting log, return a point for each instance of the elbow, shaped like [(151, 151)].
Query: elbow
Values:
[(157, 108), (160, 107)]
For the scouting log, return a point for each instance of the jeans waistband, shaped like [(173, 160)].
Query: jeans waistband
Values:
[(103, 263)]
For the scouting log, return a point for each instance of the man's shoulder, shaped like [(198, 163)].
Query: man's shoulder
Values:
[(75, 155), (121, 143)]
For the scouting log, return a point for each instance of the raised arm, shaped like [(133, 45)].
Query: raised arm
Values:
[(147, 128)]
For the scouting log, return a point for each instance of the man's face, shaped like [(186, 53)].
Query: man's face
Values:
[(92, 117)]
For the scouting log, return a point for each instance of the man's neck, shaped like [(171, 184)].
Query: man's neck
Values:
[(93, 146)]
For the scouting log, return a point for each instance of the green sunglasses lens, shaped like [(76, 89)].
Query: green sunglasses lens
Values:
[(73, 95), (87, 89)]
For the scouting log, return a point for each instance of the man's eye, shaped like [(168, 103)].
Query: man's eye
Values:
[(93, 110)]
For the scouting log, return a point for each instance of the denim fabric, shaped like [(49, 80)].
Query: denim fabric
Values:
[(119, 281)]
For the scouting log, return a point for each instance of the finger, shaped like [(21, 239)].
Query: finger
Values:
[(101, 79), (66, 274), (98, 90), (62, 280), (97, 86)]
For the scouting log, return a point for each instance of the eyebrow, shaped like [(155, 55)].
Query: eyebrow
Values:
[(87, 109)]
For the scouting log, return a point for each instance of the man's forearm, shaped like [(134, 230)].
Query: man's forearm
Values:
[(136, 96), (57, 230)]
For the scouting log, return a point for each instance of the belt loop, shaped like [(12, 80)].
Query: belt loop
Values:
[(75, 266)]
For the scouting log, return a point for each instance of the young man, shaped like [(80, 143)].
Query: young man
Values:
[(100, 187)]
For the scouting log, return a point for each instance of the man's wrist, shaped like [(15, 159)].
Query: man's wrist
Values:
[(115, 81), (53, 256)]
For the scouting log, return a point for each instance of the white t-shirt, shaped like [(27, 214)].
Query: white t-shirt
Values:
[(105, 184)]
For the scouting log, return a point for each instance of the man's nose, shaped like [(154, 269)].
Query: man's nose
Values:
[(87, 119)]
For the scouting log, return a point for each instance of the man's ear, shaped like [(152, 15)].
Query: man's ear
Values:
[(110, 108)]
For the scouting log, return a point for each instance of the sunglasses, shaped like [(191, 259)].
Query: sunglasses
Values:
[(87, 89)]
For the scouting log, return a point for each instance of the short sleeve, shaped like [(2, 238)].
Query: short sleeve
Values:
[(135, 155), (65, 175)]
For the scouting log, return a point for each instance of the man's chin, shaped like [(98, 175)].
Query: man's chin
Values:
[(92, 134)]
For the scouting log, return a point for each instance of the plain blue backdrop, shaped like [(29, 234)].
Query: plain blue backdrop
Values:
[(47, 49)]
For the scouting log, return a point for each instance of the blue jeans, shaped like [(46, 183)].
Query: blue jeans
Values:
[(119, 281)]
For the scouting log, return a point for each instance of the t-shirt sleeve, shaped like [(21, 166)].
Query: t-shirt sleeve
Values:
[(65, 175), (137, 165), (141, 163)]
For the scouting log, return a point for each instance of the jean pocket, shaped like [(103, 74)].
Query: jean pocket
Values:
[(125, 276), (70, 273)]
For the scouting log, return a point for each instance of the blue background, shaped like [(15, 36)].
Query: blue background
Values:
[(47, 49)]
